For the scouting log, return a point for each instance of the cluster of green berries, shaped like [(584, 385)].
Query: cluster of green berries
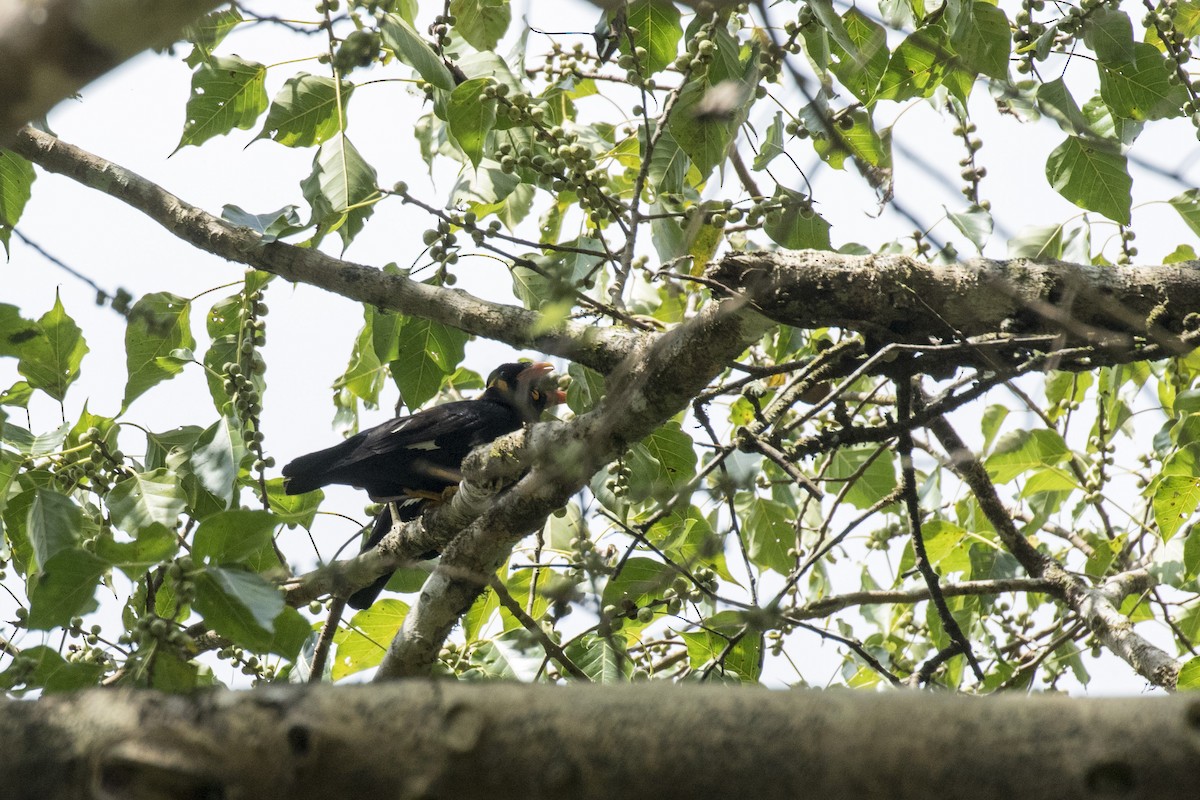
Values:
[(561, 63), (250, 665), (718, 217), (92, 462), (636, 64), (443, 244), (439, 29), (971, 173), (588, 559), (1028, 30)]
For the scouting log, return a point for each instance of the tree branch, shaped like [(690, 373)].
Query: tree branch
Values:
[(416, 738), (895, 298), (599, 348), (828, 605)]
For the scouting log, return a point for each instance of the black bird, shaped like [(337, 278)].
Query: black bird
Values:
[(413, 460)]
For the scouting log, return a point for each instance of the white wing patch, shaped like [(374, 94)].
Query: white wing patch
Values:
[(426, 445)]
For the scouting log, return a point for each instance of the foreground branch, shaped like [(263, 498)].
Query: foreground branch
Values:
[(51, 49), (419, 739)]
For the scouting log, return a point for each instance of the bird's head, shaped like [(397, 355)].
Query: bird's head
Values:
[(529, 388)]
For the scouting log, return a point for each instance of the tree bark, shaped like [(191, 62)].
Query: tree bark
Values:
[(51, 49), (432, 740)]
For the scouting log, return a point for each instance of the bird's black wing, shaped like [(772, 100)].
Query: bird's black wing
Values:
[(422, 451)]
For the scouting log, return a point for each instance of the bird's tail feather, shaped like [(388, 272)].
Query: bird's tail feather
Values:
[(317, 469)]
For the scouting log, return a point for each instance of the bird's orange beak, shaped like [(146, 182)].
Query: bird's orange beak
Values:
[(535, 375)]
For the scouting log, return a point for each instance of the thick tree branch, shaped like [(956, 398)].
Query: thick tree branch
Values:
[(50, 49), (599, 348), (895, 298), (649, 388), (499, 741)]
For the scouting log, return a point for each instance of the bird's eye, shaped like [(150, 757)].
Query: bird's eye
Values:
[(536, 395)]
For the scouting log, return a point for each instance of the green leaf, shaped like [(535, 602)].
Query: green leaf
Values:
[(676, 456), (54, 524), (915, 68), (1189, 676), (158, 325), (237, 604), (1109, 33), (798, 226), (871, 149), (668, 163), (270, 226), (772, 144), (1110, 126), (64, 588), (170, 672), (640, 582), (306, 112), (1176, 498), (706, 141), (861, 69), (714, 642), (50, 671), (1021, 451), (687, 539), (1055, 101), (208, 32), (835, 27), (292, 631), (770, 532), (1187, 204), (341, 189), (227, 93), (145, 498), (403, 40), (471, 117), (975, 223), (983, 40), (428, 352), (15, 330), (51, 362), (1037, 242), (1092, 176), (1191, 554), (1182, 253), (599, 659), (16, 185), (231, 537), (482, 23), (214, 460), (293, 509), (1141, 89), (658, 31), (363, 644), (877, 480), (364, 374), (154, 544)]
